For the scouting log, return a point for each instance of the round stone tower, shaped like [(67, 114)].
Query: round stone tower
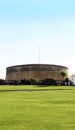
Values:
[(35, 71)]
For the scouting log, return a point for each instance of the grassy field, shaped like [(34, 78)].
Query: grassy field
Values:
[(37, 108)]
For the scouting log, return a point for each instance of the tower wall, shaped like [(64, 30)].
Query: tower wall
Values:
[(35, 71)]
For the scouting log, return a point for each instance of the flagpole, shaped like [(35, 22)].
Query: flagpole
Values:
[(39, 54)]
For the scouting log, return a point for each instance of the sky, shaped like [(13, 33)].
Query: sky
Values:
[(37, 31)]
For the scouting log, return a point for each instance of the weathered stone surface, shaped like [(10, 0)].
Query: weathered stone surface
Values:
[(35, 71)]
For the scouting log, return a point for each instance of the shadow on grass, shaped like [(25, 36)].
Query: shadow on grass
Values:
[(31, 90)]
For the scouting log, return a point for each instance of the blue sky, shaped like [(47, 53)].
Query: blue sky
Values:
[(27, 24)]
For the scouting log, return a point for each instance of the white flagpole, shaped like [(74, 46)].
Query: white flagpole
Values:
[(39, 54)]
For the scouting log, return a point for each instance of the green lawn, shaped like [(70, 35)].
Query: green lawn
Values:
[(37, 108)]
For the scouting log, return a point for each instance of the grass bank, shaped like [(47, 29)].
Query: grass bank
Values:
[(37, 108)]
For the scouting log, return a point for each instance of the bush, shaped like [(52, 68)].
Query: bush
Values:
[(22, 82), (34, 81), (13, 82), (2, 81), (48, 82)]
